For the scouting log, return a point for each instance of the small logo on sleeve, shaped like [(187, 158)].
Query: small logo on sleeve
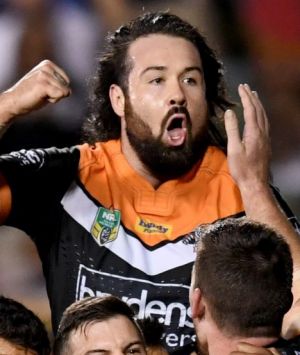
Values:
[(106, 225)]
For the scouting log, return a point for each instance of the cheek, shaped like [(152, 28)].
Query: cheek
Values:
[(199, 111), (149, 110), (147, 97), (147, 101)]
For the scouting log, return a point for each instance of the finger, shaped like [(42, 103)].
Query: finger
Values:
[(264, 119), (60, 79), (53, 69), (232, 131), (47, 87), (252, 349), (56, 95), (51, 87), (261, 117), (250, 114), (62, 75)]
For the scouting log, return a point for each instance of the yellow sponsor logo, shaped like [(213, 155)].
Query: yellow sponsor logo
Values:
[(146, 226)]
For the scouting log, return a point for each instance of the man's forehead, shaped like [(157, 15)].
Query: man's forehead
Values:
[(153, 49)]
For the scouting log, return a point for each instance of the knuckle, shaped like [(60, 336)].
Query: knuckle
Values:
[(46, 62)]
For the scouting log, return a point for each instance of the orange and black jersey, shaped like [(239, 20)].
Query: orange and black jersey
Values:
[(100, 228)]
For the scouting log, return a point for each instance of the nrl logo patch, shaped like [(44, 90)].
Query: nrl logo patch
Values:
[(106, 225)]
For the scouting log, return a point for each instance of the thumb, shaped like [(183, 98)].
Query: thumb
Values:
[(232, 130)]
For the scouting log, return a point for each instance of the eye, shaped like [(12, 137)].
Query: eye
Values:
[(190, 81), (156, 81), (135, 350)]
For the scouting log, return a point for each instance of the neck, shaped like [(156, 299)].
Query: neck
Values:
[(218, 343)]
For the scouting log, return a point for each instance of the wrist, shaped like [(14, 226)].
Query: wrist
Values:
[(252, 188), (6, 109), (258, 200)]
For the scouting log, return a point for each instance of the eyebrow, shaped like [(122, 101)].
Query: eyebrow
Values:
[(163, 68), (153, 67), (188, 69), (96, 351)]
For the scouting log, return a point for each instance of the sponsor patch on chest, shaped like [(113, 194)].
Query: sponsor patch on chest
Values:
[(145, 226), (106, 225), (167, 302)]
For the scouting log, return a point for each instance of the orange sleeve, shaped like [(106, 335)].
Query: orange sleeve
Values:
[(5, 199)]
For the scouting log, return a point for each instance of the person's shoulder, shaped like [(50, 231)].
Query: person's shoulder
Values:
[(90, 149), (94, 153), (89, 154)]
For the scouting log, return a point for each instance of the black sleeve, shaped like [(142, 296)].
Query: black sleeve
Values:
[(291, 347), (286, 209), (38, 179)]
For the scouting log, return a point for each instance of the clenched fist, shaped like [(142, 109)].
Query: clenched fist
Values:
[(45, 83)]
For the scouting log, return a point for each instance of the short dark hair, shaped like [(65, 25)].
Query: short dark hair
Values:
[(113, 67), (21, 327), (87, 311), (244, 271)]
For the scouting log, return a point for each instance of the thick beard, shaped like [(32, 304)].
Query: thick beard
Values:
[(163, 162)]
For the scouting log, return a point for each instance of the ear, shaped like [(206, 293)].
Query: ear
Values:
[(197, 305), (117, 99)]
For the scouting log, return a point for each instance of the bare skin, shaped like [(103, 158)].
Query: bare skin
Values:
[(248, 349), (45, 83), (114, 336)]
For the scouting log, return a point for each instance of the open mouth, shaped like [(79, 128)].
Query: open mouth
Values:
[(176, 130), (175, 123)]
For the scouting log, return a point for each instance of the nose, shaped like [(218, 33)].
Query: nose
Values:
[(177, 95)]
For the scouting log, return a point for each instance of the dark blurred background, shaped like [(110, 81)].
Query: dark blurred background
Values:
[(258, 41)]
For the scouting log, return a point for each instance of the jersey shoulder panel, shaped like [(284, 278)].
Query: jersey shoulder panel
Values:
[(36, 179)]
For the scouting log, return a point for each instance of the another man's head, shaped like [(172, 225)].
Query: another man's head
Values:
[(21, 331), (157, 85), (97, 325), (241, 285)]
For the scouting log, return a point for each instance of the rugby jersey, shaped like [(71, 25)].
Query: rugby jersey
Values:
[(100, 228)]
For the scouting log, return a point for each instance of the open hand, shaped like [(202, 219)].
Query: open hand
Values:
[(249, 155)]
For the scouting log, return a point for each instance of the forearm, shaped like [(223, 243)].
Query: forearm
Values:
[(248, 159), (6, 112)]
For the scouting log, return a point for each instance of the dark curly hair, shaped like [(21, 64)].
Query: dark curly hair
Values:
[(113, 67), (21, 327)]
